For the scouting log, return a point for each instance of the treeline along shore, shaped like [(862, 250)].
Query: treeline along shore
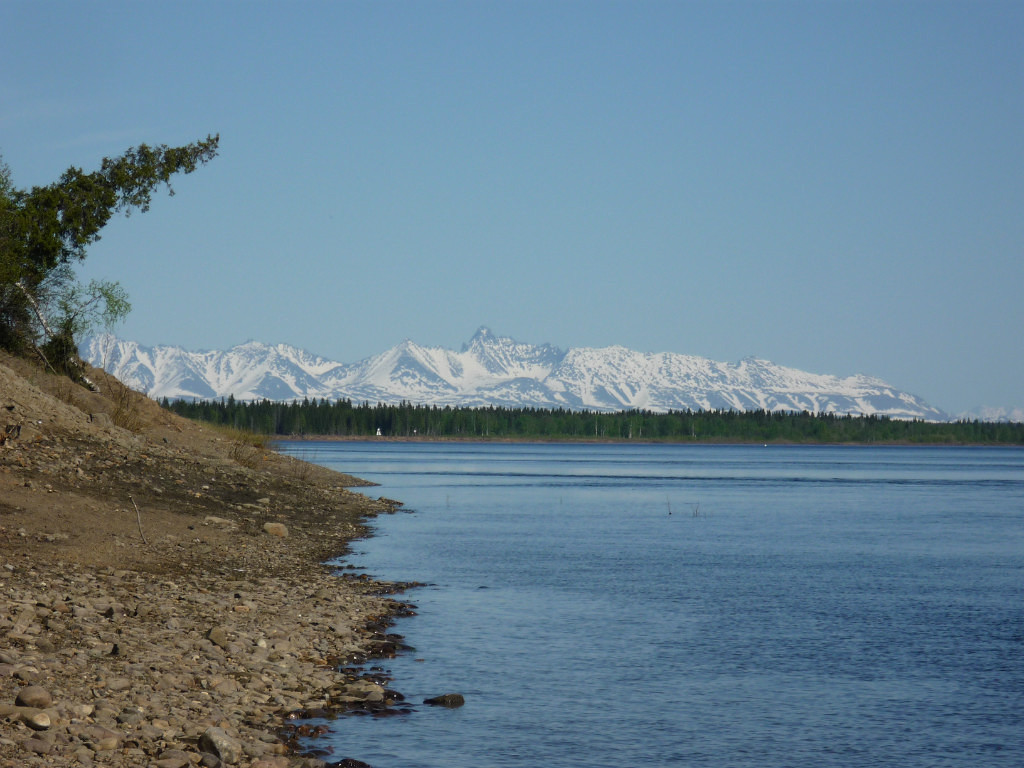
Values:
[(344, 419)]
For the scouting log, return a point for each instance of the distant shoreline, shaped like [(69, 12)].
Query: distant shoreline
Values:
[(344, 421), (621, 441)]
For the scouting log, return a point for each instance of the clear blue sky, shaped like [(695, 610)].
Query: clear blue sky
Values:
[(834, 186)]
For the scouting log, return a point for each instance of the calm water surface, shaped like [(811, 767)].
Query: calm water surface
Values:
[(698, 605)]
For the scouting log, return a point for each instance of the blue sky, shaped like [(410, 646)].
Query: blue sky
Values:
[(834, 186)]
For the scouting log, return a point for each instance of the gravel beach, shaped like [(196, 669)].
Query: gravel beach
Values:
[(164, 597)]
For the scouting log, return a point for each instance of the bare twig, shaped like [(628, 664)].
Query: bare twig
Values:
[(138, 516)]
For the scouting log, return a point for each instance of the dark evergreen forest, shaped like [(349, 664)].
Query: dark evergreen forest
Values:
[(342, 418)]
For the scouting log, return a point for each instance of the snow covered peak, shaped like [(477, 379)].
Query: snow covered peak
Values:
[(498, 370), (992, 413), (504, 357)]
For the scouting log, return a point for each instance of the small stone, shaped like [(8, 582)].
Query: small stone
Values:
[(217, 742), (38, 746), (34, 696), (226, 686), (102, 739), (450, 700), (271, 762), (37, 720), (218, 636), (129, 717), (149, 732), (81, 710), (172, 758), (276, 529), (26, 618)]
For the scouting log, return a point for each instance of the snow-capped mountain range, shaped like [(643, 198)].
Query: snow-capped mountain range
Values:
[(499, 371)]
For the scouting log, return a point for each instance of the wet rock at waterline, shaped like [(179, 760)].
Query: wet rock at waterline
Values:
[(449, 700)]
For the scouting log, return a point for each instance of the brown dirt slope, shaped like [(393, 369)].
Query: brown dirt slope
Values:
[(92, 473)]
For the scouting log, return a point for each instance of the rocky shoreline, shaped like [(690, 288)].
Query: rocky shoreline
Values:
[(164, 597)]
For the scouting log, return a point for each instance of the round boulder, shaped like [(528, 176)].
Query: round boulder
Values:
[(34, 696)]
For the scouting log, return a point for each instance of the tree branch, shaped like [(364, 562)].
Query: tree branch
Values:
[(35, 307)]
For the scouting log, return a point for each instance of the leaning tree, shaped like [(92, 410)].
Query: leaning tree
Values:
[(45, 231)]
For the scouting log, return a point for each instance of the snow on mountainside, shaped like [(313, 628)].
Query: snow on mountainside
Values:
[(991, 413), (495, 370)]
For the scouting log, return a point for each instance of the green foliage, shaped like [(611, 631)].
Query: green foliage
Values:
[(45, 230), (79, 311), (85, 309), (343, 419)]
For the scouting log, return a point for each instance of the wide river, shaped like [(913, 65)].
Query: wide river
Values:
[(667, 605)]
